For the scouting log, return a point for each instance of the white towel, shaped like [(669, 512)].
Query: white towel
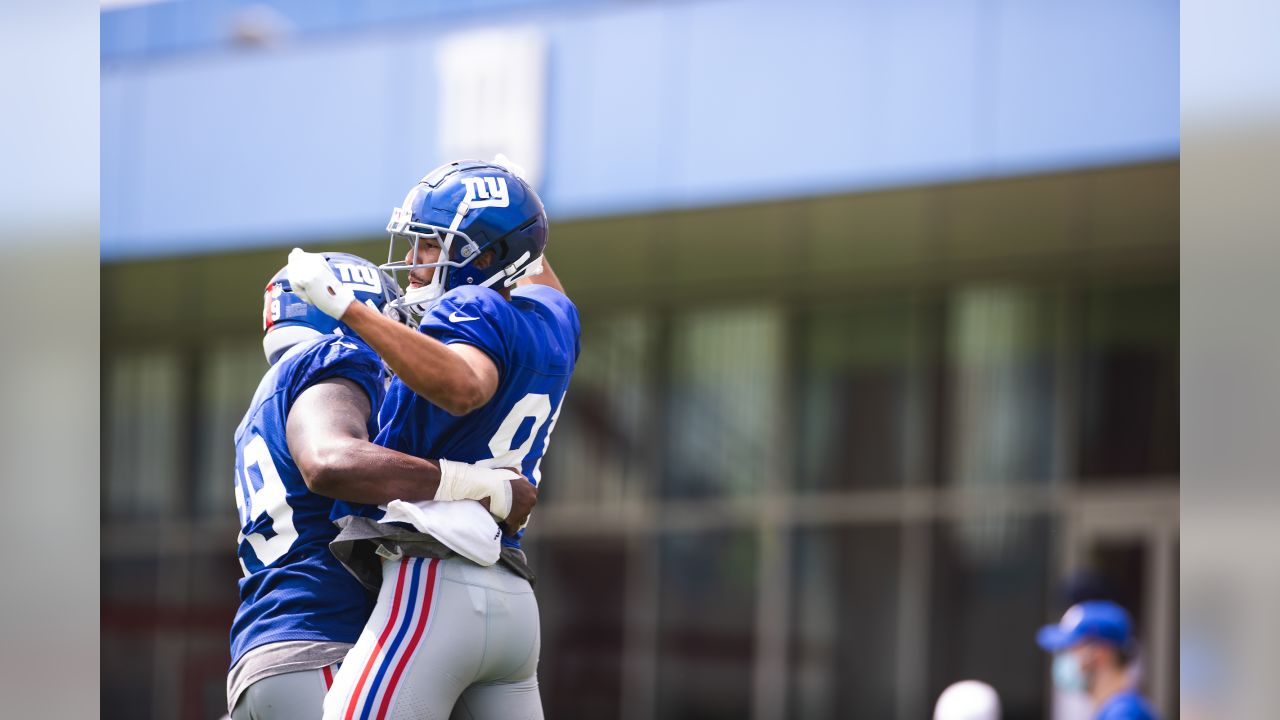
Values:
[(464, 526)]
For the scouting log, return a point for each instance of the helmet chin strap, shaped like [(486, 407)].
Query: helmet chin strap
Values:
[(530, 270), (420, 299), (516, 270)]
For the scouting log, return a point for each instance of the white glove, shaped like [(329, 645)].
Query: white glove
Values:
[(460, 481), (313, 281)]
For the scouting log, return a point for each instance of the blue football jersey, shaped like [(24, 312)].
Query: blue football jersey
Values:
[(293, 588), (533, 341)]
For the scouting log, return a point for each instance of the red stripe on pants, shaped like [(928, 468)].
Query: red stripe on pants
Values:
[(382, 639), (413, 642)]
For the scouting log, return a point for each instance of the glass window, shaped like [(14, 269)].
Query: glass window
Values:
[(1129, 404), (144, 433), (129, 686), (844, 622), (706, 625), (863, 389), (231, 372), (989, 595), (601, 450), (582, 596), (129, 582), (1001, 347), (211, 577), (726, 380), (172, 613)]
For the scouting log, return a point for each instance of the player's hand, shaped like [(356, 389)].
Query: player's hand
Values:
[(523, 497), (313, 280)]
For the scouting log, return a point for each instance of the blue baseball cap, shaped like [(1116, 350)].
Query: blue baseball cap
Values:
[(1096, 620)]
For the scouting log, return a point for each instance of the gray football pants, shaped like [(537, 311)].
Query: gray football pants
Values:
[(288, 696), (447, 639)]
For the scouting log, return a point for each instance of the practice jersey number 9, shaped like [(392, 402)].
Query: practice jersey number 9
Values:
[(271, 499)]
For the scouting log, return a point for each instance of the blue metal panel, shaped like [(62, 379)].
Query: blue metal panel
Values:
[(164, 27), (316, 16), (1083, 79), (928, 77), (198, 23), (203, 25), (610, 139), (118, 179), (815, 93), (780, 98), (649, 106), (122, 32), (383, 12), (264, 145), (411, 119)]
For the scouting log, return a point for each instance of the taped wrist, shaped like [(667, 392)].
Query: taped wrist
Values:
[(462, 481)]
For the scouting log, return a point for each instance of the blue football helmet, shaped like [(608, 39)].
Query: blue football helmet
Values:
[(468, 207), (288, 319)]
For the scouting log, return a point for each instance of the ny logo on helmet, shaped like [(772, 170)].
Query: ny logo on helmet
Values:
[(359, 277), (486, 191)]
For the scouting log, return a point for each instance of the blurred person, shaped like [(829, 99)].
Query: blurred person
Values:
[(303, 442), (481, 381), (1093, 646), (968, 700), (1079, 586)]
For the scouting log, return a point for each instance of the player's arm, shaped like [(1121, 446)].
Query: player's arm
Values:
[(457, 377), (546, 277), (329, 442)]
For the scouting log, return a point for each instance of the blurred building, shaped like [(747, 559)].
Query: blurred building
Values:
[(880, 325)]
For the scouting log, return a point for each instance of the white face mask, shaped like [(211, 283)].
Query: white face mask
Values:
[(1067, 673)]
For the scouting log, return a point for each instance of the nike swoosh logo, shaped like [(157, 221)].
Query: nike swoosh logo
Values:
[(455, 317)]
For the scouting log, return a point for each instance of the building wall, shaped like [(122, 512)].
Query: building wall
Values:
[(208, 144)]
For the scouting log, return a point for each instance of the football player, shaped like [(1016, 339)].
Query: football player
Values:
[(303, 441), (481, 381)]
